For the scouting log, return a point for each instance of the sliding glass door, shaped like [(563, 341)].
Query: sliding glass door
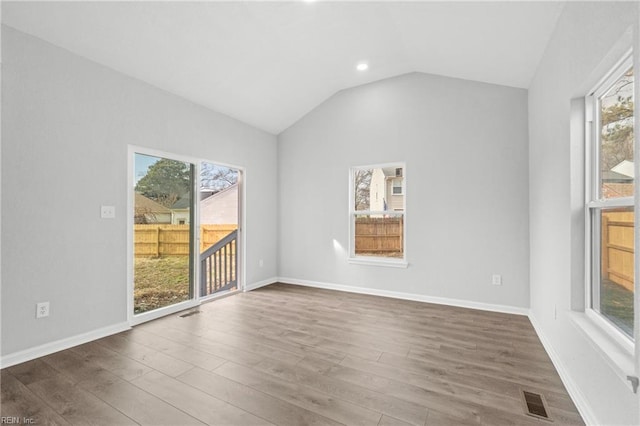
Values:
[(185, 223)]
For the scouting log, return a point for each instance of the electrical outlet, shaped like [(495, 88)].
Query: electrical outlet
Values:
[(42, 310), (108, 212), (261, 263), (496, 279)]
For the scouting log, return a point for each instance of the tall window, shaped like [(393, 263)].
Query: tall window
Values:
[(610, 198), (377, 214)]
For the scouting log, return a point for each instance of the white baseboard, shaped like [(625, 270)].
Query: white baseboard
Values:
[(409, 296), (59, 345), (259, 284), (574, 392)]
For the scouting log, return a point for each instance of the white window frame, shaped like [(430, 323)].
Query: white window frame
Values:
[(374, 260), (595, 203)]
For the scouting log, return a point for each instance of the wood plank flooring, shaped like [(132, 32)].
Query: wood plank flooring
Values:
[(290, 355)]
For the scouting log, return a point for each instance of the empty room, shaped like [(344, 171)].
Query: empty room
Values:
[(319, 213)]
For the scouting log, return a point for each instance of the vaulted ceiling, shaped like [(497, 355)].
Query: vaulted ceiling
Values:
[(270, 63)]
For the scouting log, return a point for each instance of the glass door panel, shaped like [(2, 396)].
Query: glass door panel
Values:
[(163, 232), (219, 208)]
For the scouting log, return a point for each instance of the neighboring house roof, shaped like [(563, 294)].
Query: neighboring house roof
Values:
[(147, 203), (183, 203), (611, 176), (624, 168), (390, 171), (220, 208), (206, 193)]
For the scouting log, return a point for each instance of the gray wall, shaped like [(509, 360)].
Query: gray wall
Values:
[(66, 125), (465, 147), (577, 55)]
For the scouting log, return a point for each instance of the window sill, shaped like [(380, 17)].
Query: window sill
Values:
[(377, 261), (619, 354)]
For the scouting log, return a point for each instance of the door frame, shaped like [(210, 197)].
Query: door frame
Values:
[(135, 319)]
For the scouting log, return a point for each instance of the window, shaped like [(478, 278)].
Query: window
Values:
[(377, 215), (610, 199), (397, 186)]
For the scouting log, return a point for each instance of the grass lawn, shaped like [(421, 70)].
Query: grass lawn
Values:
[(160, 282), (616, 303)]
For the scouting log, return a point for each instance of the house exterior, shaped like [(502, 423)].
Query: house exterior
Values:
[(220, 208), (181, 211), (149, 211), (386, 191)]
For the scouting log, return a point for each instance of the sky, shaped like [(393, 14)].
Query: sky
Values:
[(142, 164)]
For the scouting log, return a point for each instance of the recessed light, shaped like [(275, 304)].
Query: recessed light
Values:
[(362, 66)]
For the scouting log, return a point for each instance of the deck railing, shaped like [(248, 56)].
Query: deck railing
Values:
[(219, 266)]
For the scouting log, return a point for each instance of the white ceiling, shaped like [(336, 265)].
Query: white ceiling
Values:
[(269, 63)]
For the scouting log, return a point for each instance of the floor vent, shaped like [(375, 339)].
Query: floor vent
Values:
[(188, 314), (535, 405)]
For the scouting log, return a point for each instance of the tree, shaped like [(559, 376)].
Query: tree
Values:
[(143, 215), (216, 177), (362, 183), (617, 123), (166, 182)]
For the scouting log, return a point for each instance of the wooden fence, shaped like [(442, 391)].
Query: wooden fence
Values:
[(382, 236), (618, 248), (157, 240)]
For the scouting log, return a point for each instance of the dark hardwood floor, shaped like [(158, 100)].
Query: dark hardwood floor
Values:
[(289, 355)]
